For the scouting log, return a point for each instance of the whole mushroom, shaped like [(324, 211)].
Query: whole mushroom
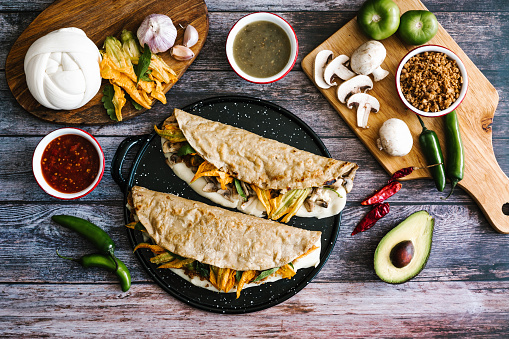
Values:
[(367, 60), (395, 138)]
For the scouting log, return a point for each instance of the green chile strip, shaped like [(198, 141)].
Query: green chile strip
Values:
[(455, 152), (433, 153)]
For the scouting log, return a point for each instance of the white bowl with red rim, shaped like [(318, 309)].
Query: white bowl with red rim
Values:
[(270, 17), (37, 163), (451, 55)]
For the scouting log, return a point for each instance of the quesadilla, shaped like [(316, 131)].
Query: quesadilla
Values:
[(219, 249), (259, 176)]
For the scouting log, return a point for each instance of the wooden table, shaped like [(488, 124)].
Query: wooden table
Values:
[(463, 291)]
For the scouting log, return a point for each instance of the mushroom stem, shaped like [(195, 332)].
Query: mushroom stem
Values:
[(379, 73), (363, 115)]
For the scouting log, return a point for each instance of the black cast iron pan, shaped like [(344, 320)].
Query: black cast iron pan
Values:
[(150, 170)]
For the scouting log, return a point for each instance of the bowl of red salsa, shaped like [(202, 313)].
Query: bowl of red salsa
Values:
[(68, 163)]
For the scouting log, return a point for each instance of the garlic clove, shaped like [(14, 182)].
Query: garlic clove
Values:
[(190, 36), (181, 53)]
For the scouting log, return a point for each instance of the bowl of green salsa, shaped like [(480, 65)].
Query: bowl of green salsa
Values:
[(262, 47)]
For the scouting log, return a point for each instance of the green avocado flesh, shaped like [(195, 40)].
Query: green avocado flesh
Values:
[(417, 228)]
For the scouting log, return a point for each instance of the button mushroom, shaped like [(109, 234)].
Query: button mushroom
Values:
[(395, 138), (337, 67), (367, 60), (321, 60), (355, 85), (365, 104)]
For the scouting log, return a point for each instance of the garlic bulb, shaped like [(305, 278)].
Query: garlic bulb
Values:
[(62, 69), (158, 32), (190, 36), (181, 53)]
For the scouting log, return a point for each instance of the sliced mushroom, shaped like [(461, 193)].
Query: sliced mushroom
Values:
[(246, 189), (367, 60), (227, 194), (348, 185), (355, 85), (322, 203), (210, 187), (171, 147), (365, 104), (321, 60), (337, 67)]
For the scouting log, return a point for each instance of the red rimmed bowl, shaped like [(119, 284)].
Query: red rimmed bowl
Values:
[(37, 166), (451, 55), (262, 16)]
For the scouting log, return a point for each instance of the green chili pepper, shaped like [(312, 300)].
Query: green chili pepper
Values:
[(454, 147), (106, 262), (433, 153), (89, 231)]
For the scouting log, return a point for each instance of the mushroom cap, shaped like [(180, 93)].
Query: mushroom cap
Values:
[(321, 60), (355, 85), (368, 57), (365, 98), (395, 137)]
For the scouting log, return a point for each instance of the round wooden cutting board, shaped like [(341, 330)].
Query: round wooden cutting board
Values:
[(100, 19)]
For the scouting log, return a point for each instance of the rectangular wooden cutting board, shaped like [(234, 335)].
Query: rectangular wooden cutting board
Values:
[(483, 180)]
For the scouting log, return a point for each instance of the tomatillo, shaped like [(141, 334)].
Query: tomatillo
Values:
[(379, 18), (417, 27)]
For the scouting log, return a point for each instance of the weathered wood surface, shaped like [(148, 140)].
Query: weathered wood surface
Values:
[(463, 291), (467, 310)]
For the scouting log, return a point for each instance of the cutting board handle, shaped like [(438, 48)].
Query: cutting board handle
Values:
[(490, 189)]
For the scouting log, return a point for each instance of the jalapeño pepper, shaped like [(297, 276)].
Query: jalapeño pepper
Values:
[(106, 262), (454, 147), (433, 153), (87, 230)]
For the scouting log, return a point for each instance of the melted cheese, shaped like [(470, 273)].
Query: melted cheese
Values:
[(185, 173)]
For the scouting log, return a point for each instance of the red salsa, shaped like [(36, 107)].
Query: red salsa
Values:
[(70, 163)]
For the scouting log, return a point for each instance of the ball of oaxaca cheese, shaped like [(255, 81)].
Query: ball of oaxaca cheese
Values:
[(62, 69)]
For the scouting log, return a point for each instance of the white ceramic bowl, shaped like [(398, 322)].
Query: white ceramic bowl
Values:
[(37, 157), (262, 16), (450, 54)]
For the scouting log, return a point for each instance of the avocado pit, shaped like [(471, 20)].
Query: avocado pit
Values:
[(402, 254)]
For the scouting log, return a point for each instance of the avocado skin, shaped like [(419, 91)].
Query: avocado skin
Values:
[(418, 228)]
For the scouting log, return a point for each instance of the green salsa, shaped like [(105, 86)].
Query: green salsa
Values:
[(261, 49)]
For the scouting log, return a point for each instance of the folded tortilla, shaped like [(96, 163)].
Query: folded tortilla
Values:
[(265, 163), (218, 237)]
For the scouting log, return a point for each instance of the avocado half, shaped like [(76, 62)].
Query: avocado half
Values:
[(418, 229)]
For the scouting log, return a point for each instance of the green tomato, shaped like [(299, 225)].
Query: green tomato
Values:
[(379, 18), (417, 27)]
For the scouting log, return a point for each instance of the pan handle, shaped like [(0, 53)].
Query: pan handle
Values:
[(119, 158)]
